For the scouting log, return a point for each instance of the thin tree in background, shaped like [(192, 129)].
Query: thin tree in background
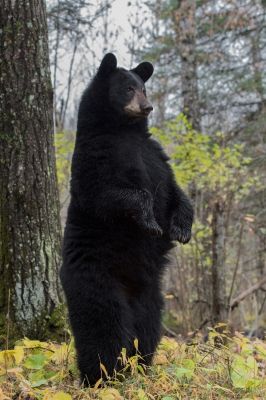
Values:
[(184, 21), (219, 298), (30, 233)]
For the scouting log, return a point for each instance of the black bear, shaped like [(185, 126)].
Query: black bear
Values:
[(124, 213)]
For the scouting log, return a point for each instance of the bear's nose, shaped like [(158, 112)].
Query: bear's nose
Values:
[(147, 108)]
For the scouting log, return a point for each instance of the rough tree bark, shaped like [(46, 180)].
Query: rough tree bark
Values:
[(185, 28), (30, 234)]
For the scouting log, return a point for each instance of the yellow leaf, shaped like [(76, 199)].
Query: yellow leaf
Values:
[(124, 355), (18, 354), (104, 370), (142, 395), (110, 394), (7, 358), (160, 359), (30, 344), (97, 384), (61, 354), (136, 343), (61, 396), (47, 394), (2, 396)]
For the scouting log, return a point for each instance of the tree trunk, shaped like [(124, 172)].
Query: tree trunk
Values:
[(219, 299), (30, 234), (185, 27)]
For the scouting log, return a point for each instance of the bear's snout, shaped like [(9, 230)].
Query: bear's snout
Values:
[(139, 105), (146, 108)]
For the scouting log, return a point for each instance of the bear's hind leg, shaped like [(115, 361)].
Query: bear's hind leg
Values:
[(101, 324), (147, 323)]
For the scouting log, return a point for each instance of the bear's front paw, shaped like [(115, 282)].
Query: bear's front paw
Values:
[(151, 226), (180, 234)]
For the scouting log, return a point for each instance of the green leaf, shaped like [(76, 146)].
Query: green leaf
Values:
[(244, 372), (35, 361), (142, 395), (37, 379), (187, 369), (168, 398)]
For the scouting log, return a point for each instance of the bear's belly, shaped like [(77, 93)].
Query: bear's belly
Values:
[(118, 249)]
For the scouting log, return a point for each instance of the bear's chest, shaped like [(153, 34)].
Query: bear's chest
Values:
[(155, 163), (142, 160)]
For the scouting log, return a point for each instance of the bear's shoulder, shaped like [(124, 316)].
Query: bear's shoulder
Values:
[(158, 149)]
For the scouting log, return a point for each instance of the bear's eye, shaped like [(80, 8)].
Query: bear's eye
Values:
[(130, 89), (144, 91)]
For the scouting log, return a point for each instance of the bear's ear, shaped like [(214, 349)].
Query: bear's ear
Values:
[(108, 65), (144, 70)]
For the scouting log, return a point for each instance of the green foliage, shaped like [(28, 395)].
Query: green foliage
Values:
[(47, 371), (64, 144), (250, 84), (35, 361), (212, 171), (205, 160)]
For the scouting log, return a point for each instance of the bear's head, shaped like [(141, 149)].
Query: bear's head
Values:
[(126, 88)]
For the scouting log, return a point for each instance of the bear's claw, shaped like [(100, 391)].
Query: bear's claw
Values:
[(182, 235)]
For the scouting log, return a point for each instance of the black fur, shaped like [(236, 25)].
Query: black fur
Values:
[(124, 212)]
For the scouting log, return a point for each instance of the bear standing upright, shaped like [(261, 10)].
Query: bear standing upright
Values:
[(124, 213)]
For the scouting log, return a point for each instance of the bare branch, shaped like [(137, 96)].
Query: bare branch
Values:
[(235, 302)]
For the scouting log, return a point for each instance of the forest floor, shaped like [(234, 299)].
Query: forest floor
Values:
[(181, 370)]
